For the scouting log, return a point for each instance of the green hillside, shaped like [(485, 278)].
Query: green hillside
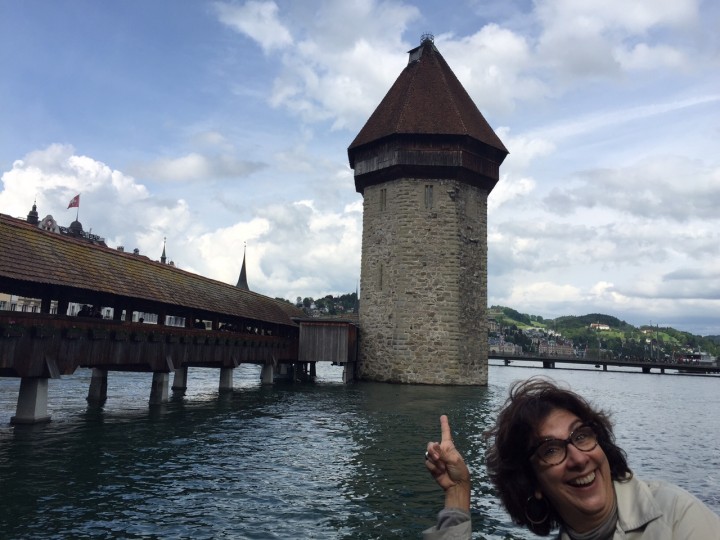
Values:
[(622, 338)]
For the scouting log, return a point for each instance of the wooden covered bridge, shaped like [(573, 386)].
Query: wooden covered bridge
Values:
[(200, 322)]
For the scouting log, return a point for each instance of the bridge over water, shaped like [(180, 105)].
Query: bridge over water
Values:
[(551, 362), (223, 325)]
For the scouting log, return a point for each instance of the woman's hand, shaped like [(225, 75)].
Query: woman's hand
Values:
[(448, 468)]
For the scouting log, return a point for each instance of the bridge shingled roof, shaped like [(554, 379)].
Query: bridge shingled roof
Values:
[(427, 99), (33, 255)]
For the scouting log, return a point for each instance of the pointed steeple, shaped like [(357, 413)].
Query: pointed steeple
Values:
[(163, 258), (32, 216), (242, 280)]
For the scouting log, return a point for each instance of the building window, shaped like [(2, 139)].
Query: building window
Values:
[(428, 196), (383, 199), (2, 305), (13, 307), (34, 309)]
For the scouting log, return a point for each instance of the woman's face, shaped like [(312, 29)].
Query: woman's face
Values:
[(580, 488)]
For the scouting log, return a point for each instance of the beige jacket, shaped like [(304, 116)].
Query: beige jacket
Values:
[(660, 511), (646, 511)]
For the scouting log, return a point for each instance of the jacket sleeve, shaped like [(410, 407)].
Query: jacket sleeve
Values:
[(452, 524)]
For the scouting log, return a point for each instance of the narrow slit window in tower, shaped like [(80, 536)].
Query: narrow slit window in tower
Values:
[(383, 200), (428, 196)]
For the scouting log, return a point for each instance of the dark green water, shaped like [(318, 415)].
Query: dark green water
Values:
[(322, 460)]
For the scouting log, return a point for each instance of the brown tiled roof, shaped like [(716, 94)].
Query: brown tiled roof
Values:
[(32, 255), (427, 98)]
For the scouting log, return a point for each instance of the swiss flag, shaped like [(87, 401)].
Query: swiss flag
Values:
[(75, 202)]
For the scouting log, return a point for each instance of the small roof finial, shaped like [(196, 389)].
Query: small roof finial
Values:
[(427, 36)]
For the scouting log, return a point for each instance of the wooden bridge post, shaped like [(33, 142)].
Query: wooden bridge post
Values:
[(159, 389), (348, 372), (226, 379), (268, 374), (32, 401), (97, 394), (180, 380)]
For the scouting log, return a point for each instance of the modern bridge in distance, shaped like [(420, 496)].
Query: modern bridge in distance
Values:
[(572, 362)]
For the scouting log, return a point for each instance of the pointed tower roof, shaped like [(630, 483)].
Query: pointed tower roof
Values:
[(242, 280), (427, 98), (163, 258), (427, 126)]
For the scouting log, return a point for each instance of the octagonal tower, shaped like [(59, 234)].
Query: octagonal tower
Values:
[(425, 163)]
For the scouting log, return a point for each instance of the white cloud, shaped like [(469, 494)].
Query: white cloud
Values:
[(338, 70), (495, 66), (257, 20), (197, 167), (524, 149), (509, 189), (638, 16), (658, 187), (56, 174), (598, 37), (645, 57)]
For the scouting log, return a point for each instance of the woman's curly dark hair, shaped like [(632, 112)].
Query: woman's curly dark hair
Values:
[(516, 431)]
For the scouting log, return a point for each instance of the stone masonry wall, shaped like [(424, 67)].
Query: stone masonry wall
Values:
[(424, 283)]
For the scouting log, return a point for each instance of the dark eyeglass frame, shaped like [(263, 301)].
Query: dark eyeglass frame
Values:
[(565, 442)]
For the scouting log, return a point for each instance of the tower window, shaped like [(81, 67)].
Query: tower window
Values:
[(383, 199), (428, 196)]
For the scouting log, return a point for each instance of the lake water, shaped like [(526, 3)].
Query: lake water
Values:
[(321, 461)]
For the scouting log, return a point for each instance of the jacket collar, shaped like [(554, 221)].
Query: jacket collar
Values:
[(636, 504)]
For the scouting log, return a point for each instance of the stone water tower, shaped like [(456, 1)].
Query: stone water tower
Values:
[(425, 163)]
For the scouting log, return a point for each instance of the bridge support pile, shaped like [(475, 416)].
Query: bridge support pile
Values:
[(32, 401)]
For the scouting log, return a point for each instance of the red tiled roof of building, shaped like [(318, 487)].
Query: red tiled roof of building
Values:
[(34, 256), (427, 98)]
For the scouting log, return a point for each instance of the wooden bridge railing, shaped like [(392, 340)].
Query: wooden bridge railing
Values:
[(41, 345)]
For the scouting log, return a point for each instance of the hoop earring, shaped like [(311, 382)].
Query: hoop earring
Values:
[(536, 507)]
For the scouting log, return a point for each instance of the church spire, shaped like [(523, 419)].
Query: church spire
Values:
[(32, 216), (242, 280), (163, 258)]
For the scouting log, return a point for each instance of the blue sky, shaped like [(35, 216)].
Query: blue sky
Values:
[(220, 124)]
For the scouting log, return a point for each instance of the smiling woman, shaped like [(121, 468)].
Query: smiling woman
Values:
[(552, 458)]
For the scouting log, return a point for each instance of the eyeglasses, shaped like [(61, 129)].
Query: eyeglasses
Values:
[(554, 451)]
